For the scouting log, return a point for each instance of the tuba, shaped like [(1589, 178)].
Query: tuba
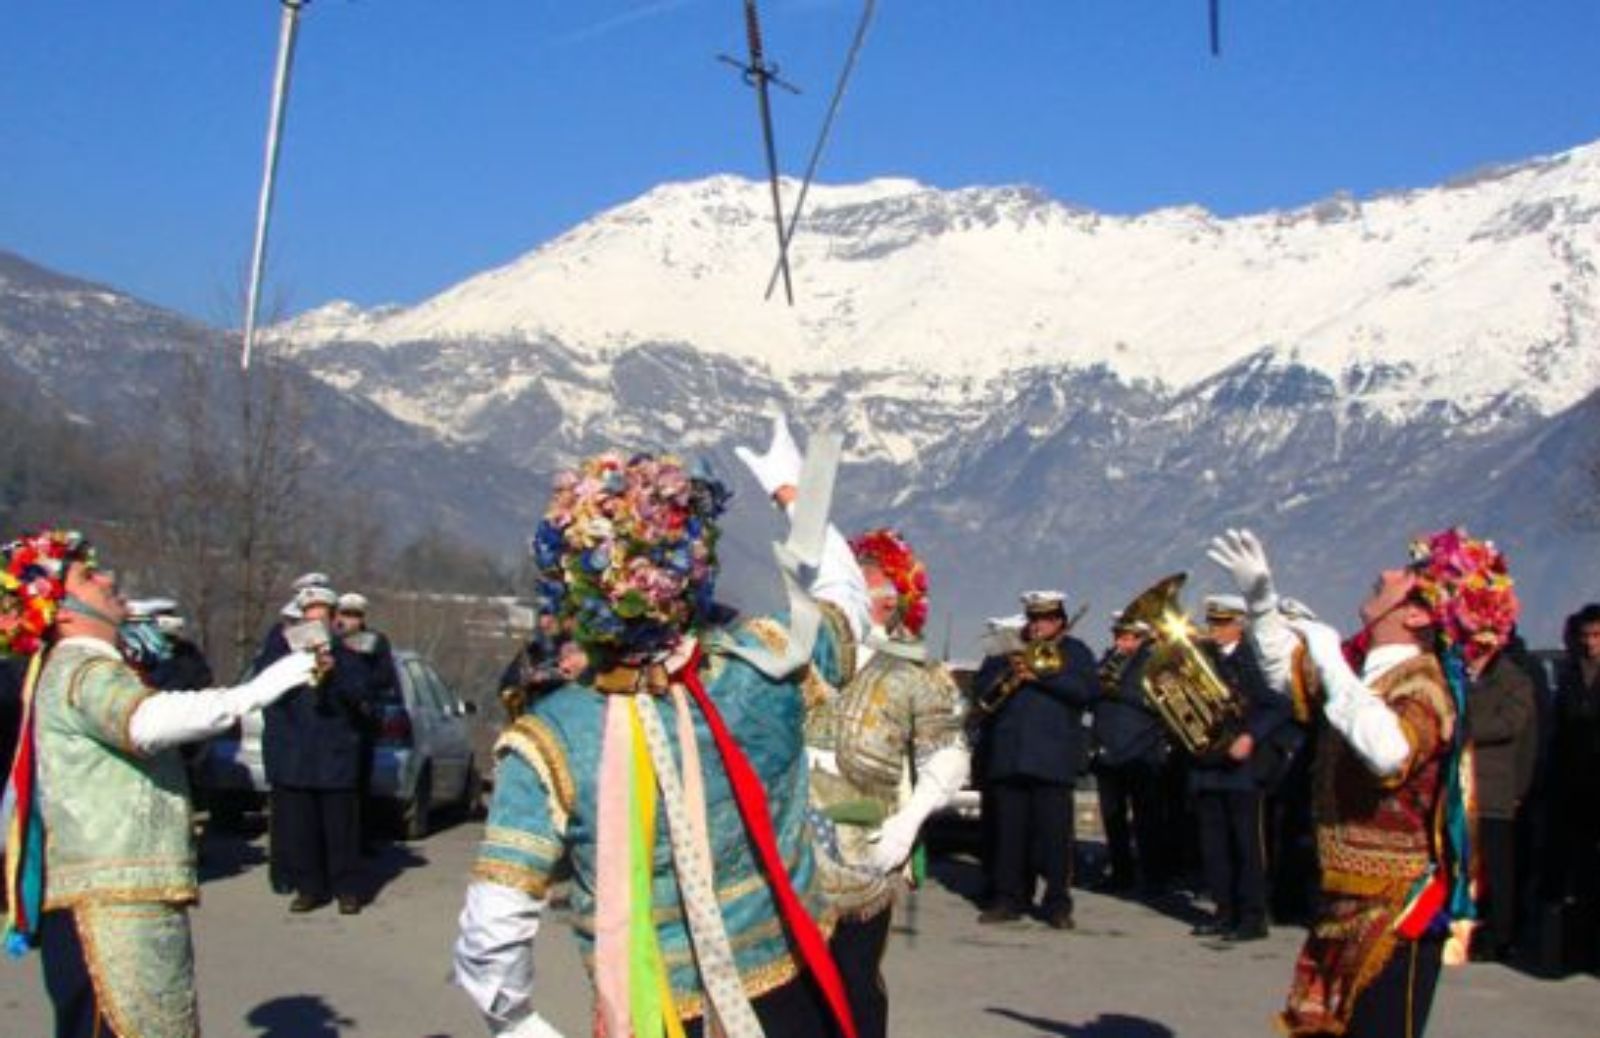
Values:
[(1200, 710), (1035, 660)]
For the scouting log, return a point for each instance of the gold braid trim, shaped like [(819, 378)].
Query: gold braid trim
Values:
[(814, 689), (533, 741), (844, 639), (516, 877), (516, 839), (181, 895), (1305, 686)]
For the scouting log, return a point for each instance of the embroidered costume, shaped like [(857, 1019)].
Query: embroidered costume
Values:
[(1392, 791), (101, 864), (670, 786)]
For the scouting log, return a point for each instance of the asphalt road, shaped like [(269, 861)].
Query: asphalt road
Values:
[(1127, 972)]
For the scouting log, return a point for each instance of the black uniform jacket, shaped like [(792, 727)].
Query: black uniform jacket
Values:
[(312, 736), (1038, 732), (1126, 727), (1268, 718)]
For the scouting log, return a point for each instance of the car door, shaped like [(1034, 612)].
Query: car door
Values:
[(448, 746)]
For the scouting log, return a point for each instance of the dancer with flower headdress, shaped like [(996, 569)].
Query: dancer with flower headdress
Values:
[(1392, 782), (886, 747), (669, 781), (101, 862)]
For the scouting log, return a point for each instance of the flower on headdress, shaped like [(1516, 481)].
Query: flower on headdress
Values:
[(1467, 588), (627, 550), (888, 551), (33, 575)]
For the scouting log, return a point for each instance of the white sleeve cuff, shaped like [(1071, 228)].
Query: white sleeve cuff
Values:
[(1276, 644), (1367, 724), (494, 956), (168, 719), (839, 580)]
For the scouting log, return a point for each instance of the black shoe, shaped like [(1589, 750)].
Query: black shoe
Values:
[(1212, 927), (1246, 932), (306, 903), (999, 914), (349, 905), (1060, 919)]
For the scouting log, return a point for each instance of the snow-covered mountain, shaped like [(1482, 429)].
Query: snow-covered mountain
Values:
[(1036, 393), (1463, 292)]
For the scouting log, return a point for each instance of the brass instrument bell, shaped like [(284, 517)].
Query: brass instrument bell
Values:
[(1198, 707)]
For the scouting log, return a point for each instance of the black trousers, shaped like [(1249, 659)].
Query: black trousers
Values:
[(796, 1010), (67, 980), (1034, 837), (1233, 854), (1396, 1005), (1130, 809), (1497, 842), (321, 834), (857, 948)]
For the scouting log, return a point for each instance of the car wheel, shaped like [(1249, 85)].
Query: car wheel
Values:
[(417, 812), (472, 793)]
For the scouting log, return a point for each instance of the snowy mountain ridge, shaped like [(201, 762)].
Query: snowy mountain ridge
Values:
[(1484, 288)]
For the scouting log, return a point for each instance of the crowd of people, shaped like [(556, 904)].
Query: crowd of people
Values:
[(734, 803)]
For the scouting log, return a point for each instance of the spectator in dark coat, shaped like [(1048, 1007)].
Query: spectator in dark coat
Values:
[(12, 670), (1131, 749), (1229, 787), (1501, 722), (311, 745), (1575, 766), (1036, 746), (350, 622)]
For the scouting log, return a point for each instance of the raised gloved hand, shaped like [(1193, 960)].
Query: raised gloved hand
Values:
[(1241, 554), (291, 671), (780, 465)]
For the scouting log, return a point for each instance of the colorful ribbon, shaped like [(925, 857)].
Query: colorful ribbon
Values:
[(752, 802), (25, 840)]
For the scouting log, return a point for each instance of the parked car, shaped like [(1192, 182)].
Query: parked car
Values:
[(422, 760)]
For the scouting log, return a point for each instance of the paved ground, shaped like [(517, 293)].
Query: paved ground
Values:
[(1128, 972)]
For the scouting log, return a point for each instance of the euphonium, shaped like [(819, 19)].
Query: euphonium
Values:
[(1200, 710), (1041, 659)]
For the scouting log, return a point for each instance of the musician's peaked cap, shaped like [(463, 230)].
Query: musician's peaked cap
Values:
[(1044, 603), (1225, 607)]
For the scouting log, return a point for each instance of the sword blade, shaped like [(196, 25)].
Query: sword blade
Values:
[(845, 74), (288, 29)]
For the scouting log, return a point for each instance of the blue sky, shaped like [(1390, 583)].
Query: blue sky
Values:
[(428, 141)]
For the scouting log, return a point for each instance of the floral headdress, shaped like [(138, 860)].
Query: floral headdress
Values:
[(887, 550), (33, 575), (1465, 585), (627, 551)]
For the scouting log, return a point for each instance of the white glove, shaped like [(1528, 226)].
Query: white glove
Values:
[(168, 719), (531, 1026), (939, 779), (1353, 709), (291, 671), (1241, 554), (892, 844), (780, 465)]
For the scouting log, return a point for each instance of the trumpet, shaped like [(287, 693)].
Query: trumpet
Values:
[(1040, 659), (1198, 708)]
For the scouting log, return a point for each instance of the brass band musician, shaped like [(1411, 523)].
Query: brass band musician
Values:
[(1035, 746)]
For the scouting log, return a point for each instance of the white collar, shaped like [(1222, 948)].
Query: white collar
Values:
[(1385, 658)]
